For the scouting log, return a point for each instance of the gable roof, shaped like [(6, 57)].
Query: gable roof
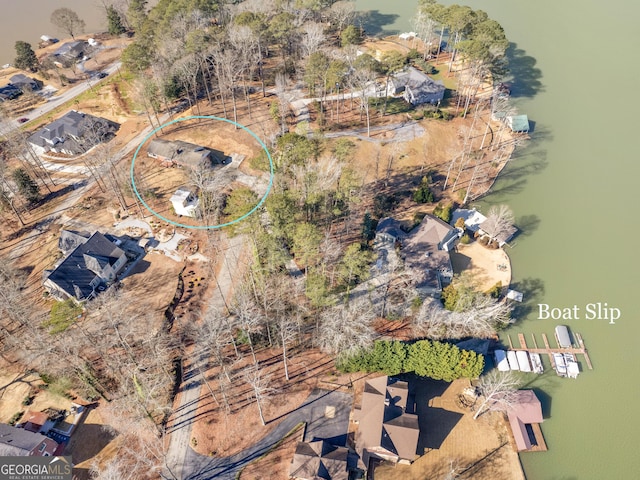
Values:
[(489, 226), (74, 127), (426, 251), (20, 80), (526, 410), (18, 442), (70, 239), (80, 267), (417, 81), (183, 153), (71, 49), (320, 460), (384, 424)]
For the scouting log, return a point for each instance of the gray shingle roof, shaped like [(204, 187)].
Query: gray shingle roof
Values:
[(78, 270)]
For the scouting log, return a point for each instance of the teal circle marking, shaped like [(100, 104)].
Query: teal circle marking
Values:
[(203, 227)]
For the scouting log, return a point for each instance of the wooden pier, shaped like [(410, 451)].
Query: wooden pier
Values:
[(548, 350)]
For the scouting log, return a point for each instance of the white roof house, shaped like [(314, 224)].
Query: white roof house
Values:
[(472, 218), (184, 202)]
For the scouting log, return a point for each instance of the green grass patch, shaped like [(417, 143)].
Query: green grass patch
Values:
[(62, 316)]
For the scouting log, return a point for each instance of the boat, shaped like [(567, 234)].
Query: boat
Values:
[(536, 363), (523, 361), (573, 369), (562, 337), (512, 358), (561, 366), (501, 360)]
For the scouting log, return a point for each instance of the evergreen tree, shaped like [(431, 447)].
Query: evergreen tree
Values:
[(25, 57), (115, 25), (26, 186)]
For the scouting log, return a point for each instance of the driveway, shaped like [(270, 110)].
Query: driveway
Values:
[(313, 411)]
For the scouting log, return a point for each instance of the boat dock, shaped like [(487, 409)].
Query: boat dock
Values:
[(549, 351)]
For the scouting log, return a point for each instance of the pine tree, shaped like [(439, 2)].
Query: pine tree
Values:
[(27, 187), (25, 57), (115, 22)]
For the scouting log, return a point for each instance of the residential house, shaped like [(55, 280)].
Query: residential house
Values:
[(184, 154), (23, 82), (18, 442), (425, 251), (524, 416), (386, 427), (70, 52), (87, 268), (416, 87), (497, 232), (184, 202), (74, 133), (320, 460), (9, 92), (35, 422)]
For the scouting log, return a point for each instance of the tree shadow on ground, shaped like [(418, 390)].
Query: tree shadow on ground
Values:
[(374, 22), (435, 423), (527, 77)]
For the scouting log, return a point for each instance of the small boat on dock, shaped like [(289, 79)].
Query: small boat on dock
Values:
[(573, 369), (562, 337), (561, 366), (512, 358), (501, 361), (523, 361), (536, 363)]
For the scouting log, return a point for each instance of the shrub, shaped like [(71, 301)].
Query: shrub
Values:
[(63, 315), (423, 193), (465, 240), (16, 416), (495, 291), (443, 212)]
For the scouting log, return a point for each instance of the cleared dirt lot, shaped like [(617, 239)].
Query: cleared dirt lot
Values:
[(486, 266)]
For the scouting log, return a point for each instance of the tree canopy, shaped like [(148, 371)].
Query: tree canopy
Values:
[(25, 57), (67, 21), (426, 358)]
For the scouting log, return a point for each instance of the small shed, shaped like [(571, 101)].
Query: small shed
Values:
[(518, 123)]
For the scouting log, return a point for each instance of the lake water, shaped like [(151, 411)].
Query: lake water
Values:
[(28, 20), (573, 192)]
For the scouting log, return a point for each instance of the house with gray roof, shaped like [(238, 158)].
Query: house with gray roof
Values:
[(183, 154), (424, 251), (87, 268), (387, 427), (18, 442), (9, 92), (416, 87), (73, 134), (23, 82), (70, 52)]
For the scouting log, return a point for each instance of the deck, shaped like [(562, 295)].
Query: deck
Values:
[(549, 350)]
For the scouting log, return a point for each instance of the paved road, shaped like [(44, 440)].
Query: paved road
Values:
[(55, 102), (312, 411)]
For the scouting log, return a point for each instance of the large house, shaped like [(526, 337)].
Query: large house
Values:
[(425, 250), (320, 460), (74, 133), (386, 428), (416, 87), (18, 442), (91, 263), (184, 154), (70, 52)]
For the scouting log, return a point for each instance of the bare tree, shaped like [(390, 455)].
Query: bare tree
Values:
[(313, 37), (346, 328), (259, 382), (283, 106), (341, 14), (498, 391), (499, 221), (361, 83), (67, 21)]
